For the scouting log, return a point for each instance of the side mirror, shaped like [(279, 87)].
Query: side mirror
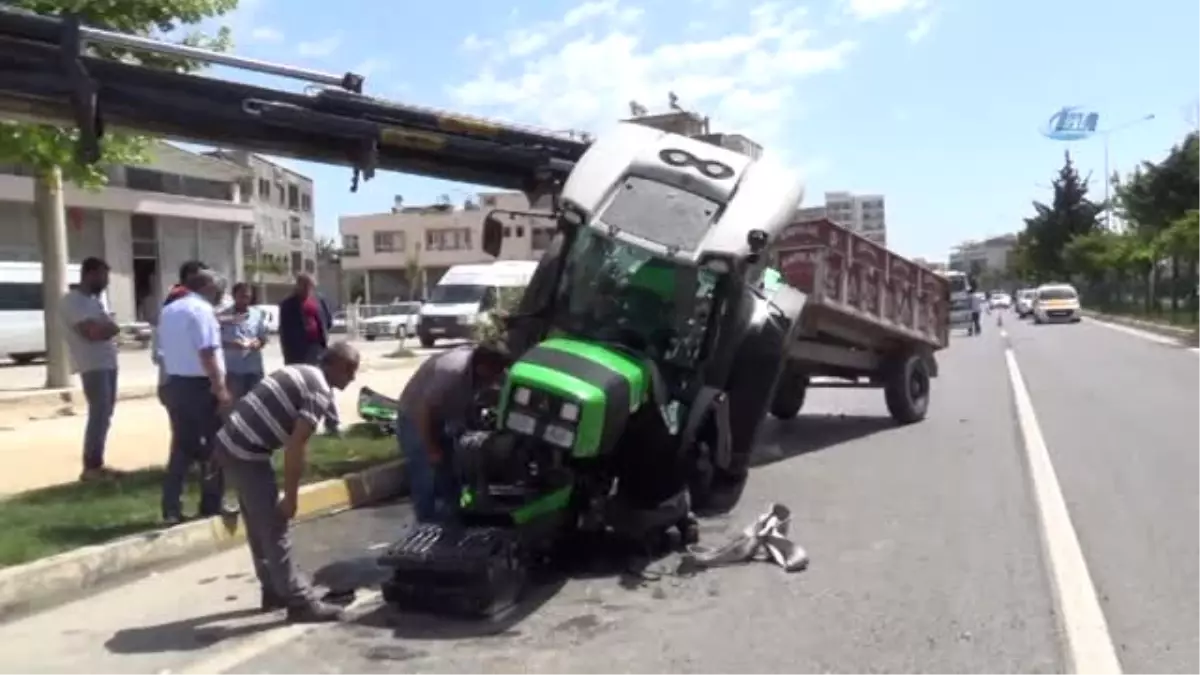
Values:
[(493, 234)]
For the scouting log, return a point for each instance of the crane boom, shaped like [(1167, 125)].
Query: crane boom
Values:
[(47, 74)]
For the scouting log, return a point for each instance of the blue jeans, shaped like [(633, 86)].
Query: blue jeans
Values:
[(240, 384), (434, 489), (100, 391)]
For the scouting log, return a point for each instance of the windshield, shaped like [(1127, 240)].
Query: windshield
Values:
[(1057, 294), (456, 294), (616, 292), (958, 283)]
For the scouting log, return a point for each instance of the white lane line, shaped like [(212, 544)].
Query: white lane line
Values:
[(261, 643), (1089, 645), (1136, 332)]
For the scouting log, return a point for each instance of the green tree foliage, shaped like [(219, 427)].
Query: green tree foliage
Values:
[(46, 148), (1040, 248)]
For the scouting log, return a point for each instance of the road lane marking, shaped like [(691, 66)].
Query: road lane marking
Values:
[(1089, 645), (1145, 335), (261, 643)]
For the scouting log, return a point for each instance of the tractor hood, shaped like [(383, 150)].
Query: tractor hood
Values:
[(574, 394)]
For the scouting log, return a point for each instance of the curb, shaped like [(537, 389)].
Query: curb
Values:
[(1190, 335), (60, 578), (62, 402)]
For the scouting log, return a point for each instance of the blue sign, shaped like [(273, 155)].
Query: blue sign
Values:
[(1072, 123)]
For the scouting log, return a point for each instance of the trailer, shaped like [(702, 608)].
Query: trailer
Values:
[(873, 319)]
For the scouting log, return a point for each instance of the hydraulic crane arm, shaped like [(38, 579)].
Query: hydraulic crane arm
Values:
[(47, 75)]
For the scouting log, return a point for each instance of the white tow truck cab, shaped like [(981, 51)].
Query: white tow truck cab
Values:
[(465, 294), (960, 299), (1056, 303), (22, 315)]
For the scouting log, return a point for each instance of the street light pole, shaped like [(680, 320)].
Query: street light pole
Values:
[(1107, 135)]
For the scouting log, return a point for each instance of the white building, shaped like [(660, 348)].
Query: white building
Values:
[(281, 242), (145, 224), (863, 214), (380, 249), (989, 254)]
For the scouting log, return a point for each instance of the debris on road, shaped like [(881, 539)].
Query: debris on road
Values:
[(764, 539)]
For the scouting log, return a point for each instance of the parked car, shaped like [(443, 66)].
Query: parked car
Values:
[(1024, 302), (398, 321), (1000, 301), (339, 322)]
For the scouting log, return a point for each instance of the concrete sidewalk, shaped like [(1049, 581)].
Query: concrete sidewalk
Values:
[(48, 452), (23, 396)]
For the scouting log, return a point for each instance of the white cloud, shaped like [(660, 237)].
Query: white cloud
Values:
[(531, 39), (868, 10), (371, 67), (747, 80), (921, 28), (266, 34), (318, 48)]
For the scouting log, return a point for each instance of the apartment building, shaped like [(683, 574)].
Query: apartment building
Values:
[(863, 214), (381, 251), (281, 242), (146, 222), (991, 254)]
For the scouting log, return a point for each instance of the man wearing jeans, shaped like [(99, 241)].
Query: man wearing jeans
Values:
[(244, 334), (90, 339), (195, 393), (434, 407)]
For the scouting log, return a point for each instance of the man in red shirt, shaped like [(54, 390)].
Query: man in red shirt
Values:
[(304, 323)]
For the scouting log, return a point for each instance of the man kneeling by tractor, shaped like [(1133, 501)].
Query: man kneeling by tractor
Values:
[(437, 406)]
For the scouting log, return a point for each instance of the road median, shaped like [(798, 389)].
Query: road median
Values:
[(61, 541), (1186, 335)]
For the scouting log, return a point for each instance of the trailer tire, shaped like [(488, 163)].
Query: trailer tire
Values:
[(907, 388), (789, 395), (428, 341)]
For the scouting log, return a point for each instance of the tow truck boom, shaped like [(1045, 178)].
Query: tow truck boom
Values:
[(47, 75)]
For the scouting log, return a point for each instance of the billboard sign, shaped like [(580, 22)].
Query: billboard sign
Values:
[(1072, 123)]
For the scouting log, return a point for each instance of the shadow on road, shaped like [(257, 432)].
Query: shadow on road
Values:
[(784, 439), (187, 635)]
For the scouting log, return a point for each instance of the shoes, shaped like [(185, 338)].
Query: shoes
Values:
[(311, 611), (230, 507), (99, 473), (173, 519)]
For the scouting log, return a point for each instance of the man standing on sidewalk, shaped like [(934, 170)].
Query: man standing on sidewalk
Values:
[(195, 392), (177, 291), (282, 411), (304, 324), (91, 335)]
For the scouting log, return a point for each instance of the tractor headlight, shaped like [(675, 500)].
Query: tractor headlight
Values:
[(560, 436), (569, 412), (521, 395), (521, 423)]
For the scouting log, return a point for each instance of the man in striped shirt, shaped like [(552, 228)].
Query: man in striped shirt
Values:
[(283, 410)]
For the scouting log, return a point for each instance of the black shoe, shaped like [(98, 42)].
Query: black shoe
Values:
[(272, 602), (314, 611), (173, 519)]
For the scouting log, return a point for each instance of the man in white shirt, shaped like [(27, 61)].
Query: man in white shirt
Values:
[(189, 347), (91, 335)]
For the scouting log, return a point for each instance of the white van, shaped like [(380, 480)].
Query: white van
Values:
[(465, 294), (22, 319)]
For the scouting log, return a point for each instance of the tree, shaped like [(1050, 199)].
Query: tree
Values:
[(412, 277), (50, 151), (1070, 214)]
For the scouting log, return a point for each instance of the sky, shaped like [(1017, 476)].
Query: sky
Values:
[(936, 104)]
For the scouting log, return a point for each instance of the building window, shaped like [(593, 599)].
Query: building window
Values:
[(350, 245), (508, 232), (540, 238), (297, 262), (280, 194), (305, 202), (294, 227), (388, 241), (448, 239), (293, 197), (489, 200), (520, 231), (264, 188)]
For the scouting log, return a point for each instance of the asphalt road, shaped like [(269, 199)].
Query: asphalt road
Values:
[(926, 549)]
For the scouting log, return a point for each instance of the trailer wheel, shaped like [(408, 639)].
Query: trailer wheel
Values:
[(906, 389), (789, 395), (427, 341)]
